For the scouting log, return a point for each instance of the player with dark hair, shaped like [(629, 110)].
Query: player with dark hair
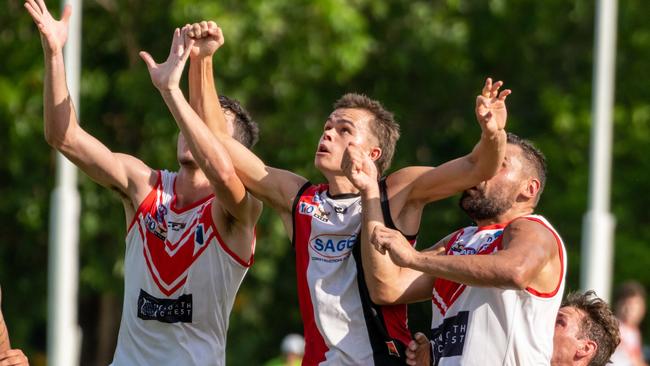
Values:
[(586, 331), (342, 325), (190, 235), (495, 287)]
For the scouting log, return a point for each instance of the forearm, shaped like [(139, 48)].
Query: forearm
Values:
[(487, 155), (203, 94), (381, 274), (209, 154), (4, 335), (471, 270), (59, 114)]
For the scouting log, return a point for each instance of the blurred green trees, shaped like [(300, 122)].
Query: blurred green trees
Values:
[(288, 61)]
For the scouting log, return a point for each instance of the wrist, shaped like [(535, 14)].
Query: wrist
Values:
[(371, 192), (169, 90), (493, 134)]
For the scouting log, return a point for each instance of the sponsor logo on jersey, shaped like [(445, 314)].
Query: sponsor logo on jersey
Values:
[(458, 248), (316, 211), (176, 226), (155, 227), (392, 348), (448, 339), (165, 310), (332, 247)]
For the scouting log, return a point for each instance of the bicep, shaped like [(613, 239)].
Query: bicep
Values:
[(120, 172), (419, 285), (429, 184)]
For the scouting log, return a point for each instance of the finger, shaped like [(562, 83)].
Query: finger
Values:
[(211, 25), (188, 50), (504, 94), (148, 60), (177, 43), (495, 89), (420, 338), (487, 87), (486, 117), (67, 12), (204, 28), (36, 16), (41, 6), (196, 29)]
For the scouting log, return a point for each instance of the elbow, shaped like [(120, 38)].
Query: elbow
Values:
[(55, 140), (517, 279), (382, 294)]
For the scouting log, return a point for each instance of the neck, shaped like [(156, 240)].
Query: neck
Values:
[(511, 214), (191, 185), (340, 184)]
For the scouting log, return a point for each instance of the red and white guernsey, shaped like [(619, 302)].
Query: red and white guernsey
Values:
[(342, 326), (493, 326), (180, 281)]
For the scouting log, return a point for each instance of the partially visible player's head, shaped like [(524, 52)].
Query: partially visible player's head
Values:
[(239, 123), (519, 181), (629, 303), (586, 331), (359, 119)]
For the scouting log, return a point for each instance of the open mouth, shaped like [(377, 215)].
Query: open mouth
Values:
[(322, 149)]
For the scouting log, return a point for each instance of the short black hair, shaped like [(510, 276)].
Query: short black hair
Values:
[(535, 158), (246, 130)]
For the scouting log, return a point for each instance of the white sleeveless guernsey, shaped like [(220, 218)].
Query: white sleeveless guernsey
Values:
[(492, 326), (342, 326), (180, 281)]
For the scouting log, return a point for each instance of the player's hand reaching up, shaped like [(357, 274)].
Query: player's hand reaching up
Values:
[(491, 111), (208, 38), (359, 168), (418, 352), (167, 76), (54, 33), (393, 242)]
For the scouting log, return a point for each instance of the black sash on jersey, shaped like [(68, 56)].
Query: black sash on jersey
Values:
[(380, 340)]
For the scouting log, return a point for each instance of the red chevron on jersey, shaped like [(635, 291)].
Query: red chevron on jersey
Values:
[(446, 292), (168, 260)]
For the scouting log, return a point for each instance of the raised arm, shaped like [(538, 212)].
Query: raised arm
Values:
[(120, 172), (387, 283), (210, 155), (426, 184), (276, 187), (8, 356), (4, 335), (529, 259)]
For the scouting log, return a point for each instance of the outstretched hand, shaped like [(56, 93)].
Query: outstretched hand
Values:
[(54, 33), (167, 76), (359, 167), (418, 352), (208, 38), (491, 111), (392, 241)]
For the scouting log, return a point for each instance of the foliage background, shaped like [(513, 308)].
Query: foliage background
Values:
[(288, 61)]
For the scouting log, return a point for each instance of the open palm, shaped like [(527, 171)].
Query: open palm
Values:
[(491, 109), (54, 33), (167, 76)]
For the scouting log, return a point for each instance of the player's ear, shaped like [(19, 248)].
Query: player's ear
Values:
[(375, 153)]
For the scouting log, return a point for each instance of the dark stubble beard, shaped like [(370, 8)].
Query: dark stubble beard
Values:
[(480, 207)]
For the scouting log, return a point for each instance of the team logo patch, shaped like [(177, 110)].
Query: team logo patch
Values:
[(165, 310), (332, 247), (448, 339), (392, 348), (169, 255), (316, 210)]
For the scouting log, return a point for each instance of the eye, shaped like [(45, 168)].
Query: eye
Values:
[(345, 130)]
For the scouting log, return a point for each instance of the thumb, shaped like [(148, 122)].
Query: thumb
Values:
[(420, 338), (67, 12), (148, 60)]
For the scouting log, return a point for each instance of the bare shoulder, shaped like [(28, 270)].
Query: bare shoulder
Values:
[(526, 231)]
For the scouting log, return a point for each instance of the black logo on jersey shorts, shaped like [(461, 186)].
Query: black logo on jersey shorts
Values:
[(449, 338), (165, 310)]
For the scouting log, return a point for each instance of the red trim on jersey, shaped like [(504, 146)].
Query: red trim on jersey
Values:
[(492, 227), (561, 254), (224, 246), (315, 347), (147, 202)]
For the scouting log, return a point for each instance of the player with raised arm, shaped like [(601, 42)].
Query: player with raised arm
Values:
[(190, 234), (342, 325), (495, 287)]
